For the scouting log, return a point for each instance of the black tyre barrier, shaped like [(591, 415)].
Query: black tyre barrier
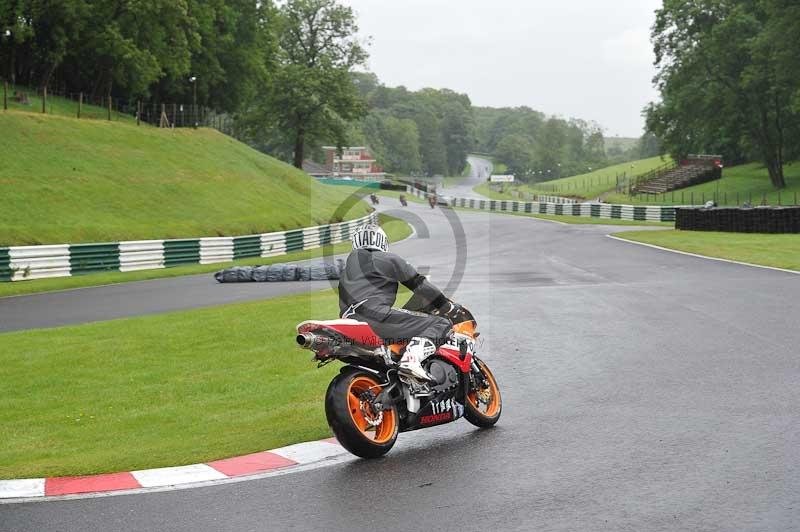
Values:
[(739, 220), (321, 271)]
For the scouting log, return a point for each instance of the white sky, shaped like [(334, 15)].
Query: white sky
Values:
[(588, 59)]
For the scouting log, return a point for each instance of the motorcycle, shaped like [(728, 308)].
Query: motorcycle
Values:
[(403, 201), (369, 403), (374, 199)]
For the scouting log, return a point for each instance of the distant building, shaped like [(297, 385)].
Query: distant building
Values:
[(354, 162), (316, 170)]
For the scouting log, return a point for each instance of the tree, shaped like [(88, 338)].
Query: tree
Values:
[(648, 146), (457, 135), (549, 145), (311, 95), (394, 142), (728, 77), (515, 151), (135, 44), (232, 49), (56, 24), (15, 30)]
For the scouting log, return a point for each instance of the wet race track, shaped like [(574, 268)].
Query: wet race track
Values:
[(643, 390)]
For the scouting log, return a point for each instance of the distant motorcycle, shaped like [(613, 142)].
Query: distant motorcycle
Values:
[(403, 201), (432, 200), (374, 199)]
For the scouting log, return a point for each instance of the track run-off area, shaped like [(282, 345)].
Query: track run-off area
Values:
[(643, 390)]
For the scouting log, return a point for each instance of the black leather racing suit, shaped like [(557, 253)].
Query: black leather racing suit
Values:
[(368, 289)]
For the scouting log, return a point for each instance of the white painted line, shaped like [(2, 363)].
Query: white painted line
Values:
[(170, 476), (27, 487), (704, 256), (312, 451)]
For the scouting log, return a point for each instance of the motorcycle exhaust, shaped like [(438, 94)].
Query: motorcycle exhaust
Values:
[(316, 342), (313, 341)]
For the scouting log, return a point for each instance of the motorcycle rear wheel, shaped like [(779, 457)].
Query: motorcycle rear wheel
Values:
[(352, 420), (480, 413)]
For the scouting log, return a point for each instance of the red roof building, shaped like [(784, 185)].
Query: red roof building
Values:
[(355, 162)]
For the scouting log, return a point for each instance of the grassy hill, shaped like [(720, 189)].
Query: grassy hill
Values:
[(739, 184), (588, 185), (65, 180)]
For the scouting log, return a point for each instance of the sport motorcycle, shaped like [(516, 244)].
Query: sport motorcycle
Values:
[(369, 402)]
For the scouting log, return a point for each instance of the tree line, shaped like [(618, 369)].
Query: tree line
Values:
[(288, 73), (729, 77), (139, 49), (536, 147), (428, 132)]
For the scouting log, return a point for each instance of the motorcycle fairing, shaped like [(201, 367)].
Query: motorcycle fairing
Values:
[(437, 410)]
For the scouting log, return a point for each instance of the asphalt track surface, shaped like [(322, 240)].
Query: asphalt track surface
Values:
[(643, 390), (479, 171)]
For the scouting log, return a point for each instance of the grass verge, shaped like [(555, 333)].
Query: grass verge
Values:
[(161, 390), (395, 228), (779, 251)]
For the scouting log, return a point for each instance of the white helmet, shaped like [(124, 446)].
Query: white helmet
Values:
[(370, 236)]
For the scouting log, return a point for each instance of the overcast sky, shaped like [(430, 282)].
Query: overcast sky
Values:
[(588, 59)]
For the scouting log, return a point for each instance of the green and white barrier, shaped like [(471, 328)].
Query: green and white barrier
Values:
[(649, 213), (22, 263)]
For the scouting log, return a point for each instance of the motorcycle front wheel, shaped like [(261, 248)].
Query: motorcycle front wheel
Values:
[(484, 403), (357, 427)]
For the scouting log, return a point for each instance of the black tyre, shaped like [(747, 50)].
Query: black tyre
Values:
[(360, 430), (484, 405)]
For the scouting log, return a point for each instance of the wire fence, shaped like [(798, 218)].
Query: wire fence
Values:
[(60, 101)]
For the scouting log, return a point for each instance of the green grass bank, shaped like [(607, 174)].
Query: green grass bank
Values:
[(739, 184), (70, 181)]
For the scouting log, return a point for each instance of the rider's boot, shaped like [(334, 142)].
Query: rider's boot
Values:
[(417, 350)]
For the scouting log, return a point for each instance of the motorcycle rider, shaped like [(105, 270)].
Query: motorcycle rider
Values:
[(368, 289)]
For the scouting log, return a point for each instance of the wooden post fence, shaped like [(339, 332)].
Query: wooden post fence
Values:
[(5, 95), (80, 104), (44, 100), (163, 121), (109, 107)]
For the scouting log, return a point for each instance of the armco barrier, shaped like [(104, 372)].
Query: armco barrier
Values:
[(20, 263)]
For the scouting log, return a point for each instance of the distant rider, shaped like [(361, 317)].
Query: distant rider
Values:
[(368, 289)]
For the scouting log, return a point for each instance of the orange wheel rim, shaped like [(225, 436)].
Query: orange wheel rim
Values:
[(493, 404), (362, 415)]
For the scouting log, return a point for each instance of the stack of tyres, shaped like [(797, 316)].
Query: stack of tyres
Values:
[(740, 220)]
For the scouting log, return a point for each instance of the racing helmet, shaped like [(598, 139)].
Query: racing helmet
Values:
[(370, 236)]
